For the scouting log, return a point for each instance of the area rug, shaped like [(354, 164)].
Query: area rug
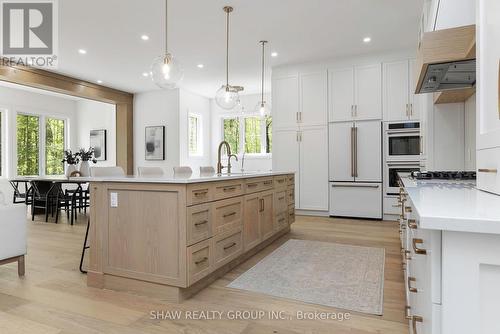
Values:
[(324, 273)]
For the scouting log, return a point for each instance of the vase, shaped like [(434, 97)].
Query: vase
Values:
[(85, 169), (70, 169)]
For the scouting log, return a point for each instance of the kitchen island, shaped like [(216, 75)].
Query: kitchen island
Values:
[(171, 236), (450, 245)]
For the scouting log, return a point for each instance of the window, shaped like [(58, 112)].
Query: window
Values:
[(194, 135), (27, 144), (249, 134), (252, 134), (54, 146), (231, 130)]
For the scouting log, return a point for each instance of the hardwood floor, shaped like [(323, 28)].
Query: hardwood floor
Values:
[(53, 296)]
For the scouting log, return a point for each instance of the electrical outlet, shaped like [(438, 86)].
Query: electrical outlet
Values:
[(113, 199)]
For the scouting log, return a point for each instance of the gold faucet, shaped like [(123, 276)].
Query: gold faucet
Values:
[(229, 156)]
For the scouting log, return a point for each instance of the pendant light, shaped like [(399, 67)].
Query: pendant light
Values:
[(166, 71), (227, 96), (262, 106)]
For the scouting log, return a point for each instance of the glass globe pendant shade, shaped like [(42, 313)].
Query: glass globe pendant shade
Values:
[(166, 72), (263, 108), (226, 97)]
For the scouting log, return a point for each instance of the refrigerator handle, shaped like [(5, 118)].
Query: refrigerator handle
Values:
[(355, 151), (352, 151)]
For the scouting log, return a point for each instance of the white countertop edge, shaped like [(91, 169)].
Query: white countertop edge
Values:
[(180, 180)]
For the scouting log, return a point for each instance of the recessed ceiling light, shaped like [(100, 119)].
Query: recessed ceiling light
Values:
[(82, 51), (99, 81), (145, 74), (274, 54), (200, 65), (367, 39), (145, 37)]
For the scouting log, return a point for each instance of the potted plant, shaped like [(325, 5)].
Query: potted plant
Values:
[(71, 160), (86, 156)]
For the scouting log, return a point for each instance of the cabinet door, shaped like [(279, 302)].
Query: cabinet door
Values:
[(266, 215), (341, 151), (313, 190), (414, 100), (455, 13), (313, 99), (369, 151), (286, 154), (285, 97), (251, 221), (368, 92), (396, 106), (341, 92)]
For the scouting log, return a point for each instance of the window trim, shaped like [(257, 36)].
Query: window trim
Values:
[(241, 148), (199, 132), (3, 142)]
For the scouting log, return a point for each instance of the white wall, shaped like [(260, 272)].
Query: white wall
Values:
[(252, 162), (94, 115), (470, 133), (198, 105), (15, 100), (155, 108)]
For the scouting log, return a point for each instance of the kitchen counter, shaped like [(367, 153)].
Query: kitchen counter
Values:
[(453, 206), (180, 178)]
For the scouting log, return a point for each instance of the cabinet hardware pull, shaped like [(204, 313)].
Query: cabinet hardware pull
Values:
[(355, 185), (407, 114), (268, 182), (201, 261), (203, 222), (396, 206), (261, 204), (291, 214), (411, 109), (229, 214), (408, 209), (414, 321), (352, 110), (251, 185), (281, 220), (416, 249), (410, 288), (488, 170), (230, 246), (281, 198), (407, 312), (412, 223), (229, 188), (200, 193), (281, 180)]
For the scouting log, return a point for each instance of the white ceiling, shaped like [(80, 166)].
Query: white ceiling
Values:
[(300, 30)]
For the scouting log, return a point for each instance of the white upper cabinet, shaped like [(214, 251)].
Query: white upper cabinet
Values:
[(368, 92), (285, 97), (313, 99), (355, 93), (399, 98), (341, 86), (455, 13)]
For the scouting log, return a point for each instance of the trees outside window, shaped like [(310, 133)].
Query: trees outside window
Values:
[(231, 128), (248, 134), (54, 146), (28, 136)]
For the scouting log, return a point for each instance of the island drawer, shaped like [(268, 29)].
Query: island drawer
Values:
[(280, 200), (199, 260), (228, 189), (227, 246), (281, 221), (258, 184), (227, 214), (199, 193), (199, 223), (280, 181), (291, 214)]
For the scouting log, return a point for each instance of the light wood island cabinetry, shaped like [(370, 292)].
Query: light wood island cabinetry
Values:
[(172, 237)]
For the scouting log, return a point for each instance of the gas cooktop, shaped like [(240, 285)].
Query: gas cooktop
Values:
[(444, 175)]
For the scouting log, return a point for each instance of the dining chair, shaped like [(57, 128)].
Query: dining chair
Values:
[(207, 170), (150, 171), (19, 196), (43, 197), (183, 170)]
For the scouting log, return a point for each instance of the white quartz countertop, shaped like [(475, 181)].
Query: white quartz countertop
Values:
[(180, 178), (453, 206)]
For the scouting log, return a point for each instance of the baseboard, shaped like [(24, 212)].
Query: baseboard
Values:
[(312, 213)]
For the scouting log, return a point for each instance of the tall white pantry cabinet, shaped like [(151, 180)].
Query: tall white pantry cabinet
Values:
[(300, 135)]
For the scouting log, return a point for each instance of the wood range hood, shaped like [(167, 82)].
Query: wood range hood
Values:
[(446, 64)]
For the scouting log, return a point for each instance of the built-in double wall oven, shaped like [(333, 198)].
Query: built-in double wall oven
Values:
[(402, 152), (402, 141)]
